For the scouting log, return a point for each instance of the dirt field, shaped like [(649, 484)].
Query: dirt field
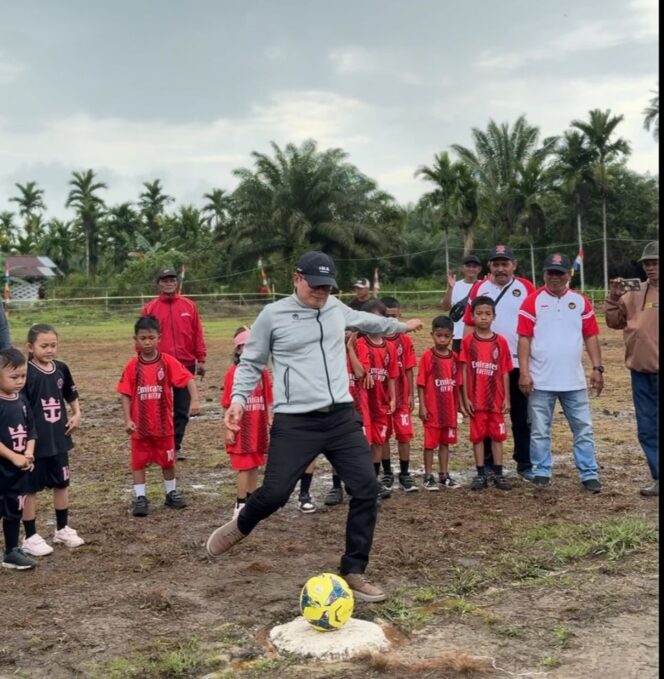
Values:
[(517, 584)]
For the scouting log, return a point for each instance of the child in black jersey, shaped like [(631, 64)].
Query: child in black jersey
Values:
[(17, 444), (49, 388)]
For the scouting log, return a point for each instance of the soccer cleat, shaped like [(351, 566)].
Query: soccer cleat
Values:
[(388, 480), (362, 589), (446, 481), (480, 482), (406, 483), (140, 506), (35, 545), (18, 560), (592, 486), (334, 496), (501, 482), (305, 504), (175, 500), (430, 483), (69, 537), (651, 491), (223, 538)]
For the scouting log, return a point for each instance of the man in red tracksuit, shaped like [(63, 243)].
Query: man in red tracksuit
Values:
[(181, 337)]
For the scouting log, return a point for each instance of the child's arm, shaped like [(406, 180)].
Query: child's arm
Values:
[(75, 417), (130, 425), (464, 392), (358, 368), (229, 436), (506, 386), (392, 393), (30, 451), (410, 373), (423, 409), (20, 461), (195, 406)]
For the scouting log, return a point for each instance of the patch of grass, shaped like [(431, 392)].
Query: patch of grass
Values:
[(523, 567), (622, 536), (550, 661), (562, 635), (465, 581), (510, 631), (400, 609), (426, 594)]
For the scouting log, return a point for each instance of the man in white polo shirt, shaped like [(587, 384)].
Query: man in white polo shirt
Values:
[(554, 324), (456, 296), (508, 292)]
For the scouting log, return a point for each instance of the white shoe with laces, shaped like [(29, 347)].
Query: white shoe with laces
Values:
[(35, 545), (68, 536)]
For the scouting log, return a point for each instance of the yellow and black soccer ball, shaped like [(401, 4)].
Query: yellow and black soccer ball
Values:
[(326, 602)]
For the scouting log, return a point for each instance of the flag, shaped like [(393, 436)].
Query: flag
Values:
[(5, 291), (576, 265), (264, 286), (376, 283), (183, 270)]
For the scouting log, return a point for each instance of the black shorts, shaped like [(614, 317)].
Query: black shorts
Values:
[(49, 472), (11, 506)]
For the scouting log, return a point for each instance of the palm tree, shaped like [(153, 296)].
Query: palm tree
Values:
[(30, 207), (651, 114), (7, 230), (218, 210), (119, 231), (598, 131), (152, 203), (89, 208), (59, 243)]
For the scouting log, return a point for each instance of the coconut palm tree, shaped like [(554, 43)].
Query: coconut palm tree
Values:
[(598, 131), (218, 211), (651, 114), (152, 203), (7, 230), (31, 207), (89, 208)]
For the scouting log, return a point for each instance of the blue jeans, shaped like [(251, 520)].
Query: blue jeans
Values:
[(645, 392), (577, 412)]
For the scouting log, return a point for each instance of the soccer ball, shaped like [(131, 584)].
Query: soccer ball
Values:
[(326, 602)]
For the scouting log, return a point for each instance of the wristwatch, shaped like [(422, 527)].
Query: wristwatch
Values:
[(598, 368)]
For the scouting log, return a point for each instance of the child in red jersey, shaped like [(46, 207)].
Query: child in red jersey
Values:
[(357, 365), (146, 387), (486, 361), (438, 385), (381, 396), (400, 421), (247, 448)]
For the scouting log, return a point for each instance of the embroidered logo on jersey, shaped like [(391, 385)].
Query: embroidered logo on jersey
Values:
[(494, 354), (19, 437), (52, 409), (61, 383), (296, 317), (160, 374), (516, 293), (571, 305)]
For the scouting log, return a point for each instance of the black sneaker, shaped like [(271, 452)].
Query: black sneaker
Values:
[(388, 480), (383, 491), (305, 504), (140, 506), (334, 496), (541, 481), (430, 483), (18, 560), (175, 500), (500, 481), (480, 482), (446, 481), (407, 484), (592, 485)]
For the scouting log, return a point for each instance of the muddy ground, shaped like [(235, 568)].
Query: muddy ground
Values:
[(560, 584)]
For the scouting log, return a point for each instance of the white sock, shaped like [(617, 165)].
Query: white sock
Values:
[(139, 489), (169, 485)]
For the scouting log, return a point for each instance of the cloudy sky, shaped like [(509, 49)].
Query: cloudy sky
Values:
[(184, 91)]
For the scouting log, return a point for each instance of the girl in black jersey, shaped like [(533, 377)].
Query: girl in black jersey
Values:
[(49, 389)]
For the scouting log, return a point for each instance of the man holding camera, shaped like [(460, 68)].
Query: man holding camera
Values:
[(636, 312)]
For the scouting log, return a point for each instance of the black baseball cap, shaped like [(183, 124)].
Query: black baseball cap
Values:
[(471, 259), (502, 252), (361, 283), (557, 262), (317, 268), (167, 273)]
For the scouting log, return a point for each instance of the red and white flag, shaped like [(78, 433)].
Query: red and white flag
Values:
[(376, 283)]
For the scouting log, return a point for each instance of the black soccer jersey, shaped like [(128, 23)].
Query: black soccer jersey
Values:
[(47, 393), (17, 427)]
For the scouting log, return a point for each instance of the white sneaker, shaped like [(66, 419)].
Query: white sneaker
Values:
[(68, 536), (35, 545)]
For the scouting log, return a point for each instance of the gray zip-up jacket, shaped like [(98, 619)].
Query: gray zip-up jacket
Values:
[(308, 353)]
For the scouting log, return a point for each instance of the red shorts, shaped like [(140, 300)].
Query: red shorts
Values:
[(375, 429), (159, 450), (487, 425), (243, 461), (401, 423), (439, 436)]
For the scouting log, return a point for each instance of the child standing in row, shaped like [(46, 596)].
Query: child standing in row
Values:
[(438, 382), (49, 389), (146, 387), (487, 362), (247, 448), (17, 444)]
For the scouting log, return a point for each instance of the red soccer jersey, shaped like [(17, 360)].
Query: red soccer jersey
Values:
[(383, 365), (254, 425), (406, 360), (487, 360), (440, 377), (357, 391), (150, 387)]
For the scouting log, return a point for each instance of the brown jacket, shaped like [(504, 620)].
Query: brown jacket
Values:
[(639, 318)]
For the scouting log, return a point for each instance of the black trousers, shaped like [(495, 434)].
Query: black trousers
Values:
[(295, 441), (181, 403), (520, 426)]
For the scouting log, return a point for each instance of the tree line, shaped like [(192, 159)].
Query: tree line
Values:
[(511, 185)]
